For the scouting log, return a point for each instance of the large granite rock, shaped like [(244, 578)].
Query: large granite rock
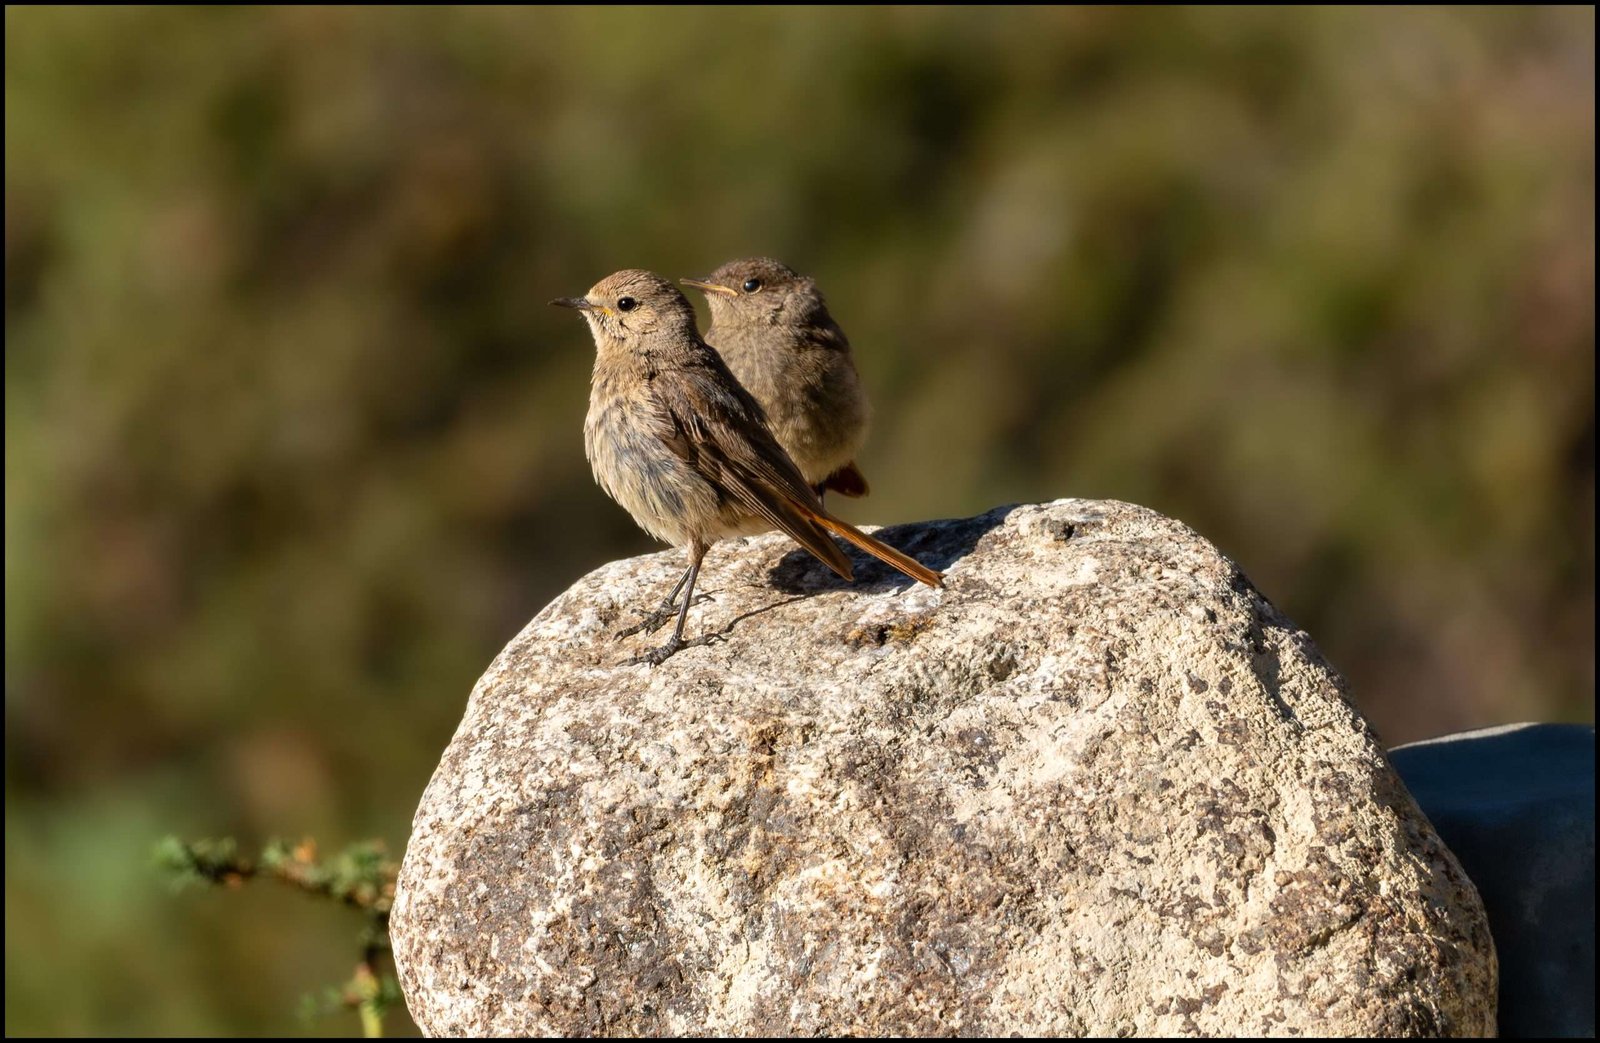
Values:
[(1516, 806), (1098, 784)]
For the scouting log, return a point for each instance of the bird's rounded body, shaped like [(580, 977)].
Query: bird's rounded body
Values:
[(628, 437), (772, 327), (805, 379)]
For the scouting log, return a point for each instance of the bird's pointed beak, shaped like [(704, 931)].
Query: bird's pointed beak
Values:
[(580, 303), (710, 287)]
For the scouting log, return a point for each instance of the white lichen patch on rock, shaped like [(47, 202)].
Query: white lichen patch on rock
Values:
[(1096, 785)]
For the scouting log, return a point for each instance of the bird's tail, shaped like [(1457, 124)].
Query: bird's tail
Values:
[(881, 550)]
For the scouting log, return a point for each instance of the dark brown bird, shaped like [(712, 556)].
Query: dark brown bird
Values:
[(675, 439), (771, 326)]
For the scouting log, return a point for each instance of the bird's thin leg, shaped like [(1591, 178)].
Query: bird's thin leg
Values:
[(653, 622), (697, 552)]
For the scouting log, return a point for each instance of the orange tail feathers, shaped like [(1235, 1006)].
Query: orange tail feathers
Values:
[(881, 550)]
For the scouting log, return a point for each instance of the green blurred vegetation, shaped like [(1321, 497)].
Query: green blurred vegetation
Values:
[(361, 877), (293, 442)]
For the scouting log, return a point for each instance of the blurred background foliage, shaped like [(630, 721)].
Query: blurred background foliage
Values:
[(293, 442)]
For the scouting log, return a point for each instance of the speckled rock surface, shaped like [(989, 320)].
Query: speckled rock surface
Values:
[(1097, 785)]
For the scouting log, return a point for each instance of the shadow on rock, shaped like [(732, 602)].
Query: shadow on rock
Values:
[(937, 544)]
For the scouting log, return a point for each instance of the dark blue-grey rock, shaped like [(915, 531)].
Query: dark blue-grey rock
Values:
[(1516, 805)]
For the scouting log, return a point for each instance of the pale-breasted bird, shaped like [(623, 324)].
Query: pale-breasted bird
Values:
[(684, 448), (771, 326)]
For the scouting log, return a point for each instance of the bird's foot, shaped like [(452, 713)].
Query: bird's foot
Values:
[(649, 624), (674, 645), (657, 656), (657, 619)]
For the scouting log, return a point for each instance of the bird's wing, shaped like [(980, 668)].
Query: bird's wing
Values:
[(721, 432), (724, 436)]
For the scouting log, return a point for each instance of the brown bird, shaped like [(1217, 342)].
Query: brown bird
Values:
[(675, 439), (772, 327)]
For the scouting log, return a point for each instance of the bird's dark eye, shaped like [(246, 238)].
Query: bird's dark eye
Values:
[(626, 304), (752, 285)]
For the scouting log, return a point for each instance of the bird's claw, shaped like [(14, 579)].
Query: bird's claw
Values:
[(657, 619), (674, 645), (657, 656), (648, 625)]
